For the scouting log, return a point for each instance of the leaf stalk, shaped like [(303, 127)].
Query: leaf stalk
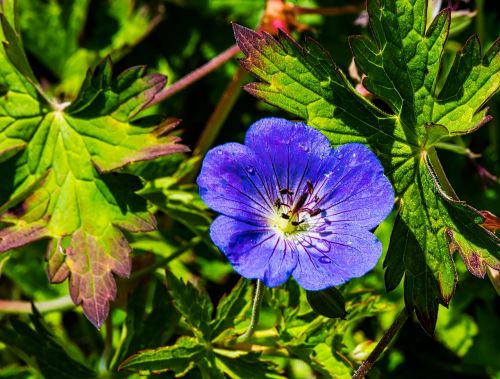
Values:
[(14, 306), (440, 174), (195, 75), (382, 344)]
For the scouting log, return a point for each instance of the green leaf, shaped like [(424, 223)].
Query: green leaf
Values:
[(401, 61), (230, 307), (248, 366), (146, 330), (329, 362), (40, 348), (178, 358), (329, 303), (195, 306), (59, 163), (63, 37)]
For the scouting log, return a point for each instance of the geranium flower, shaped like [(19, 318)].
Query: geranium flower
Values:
[(292, 205)]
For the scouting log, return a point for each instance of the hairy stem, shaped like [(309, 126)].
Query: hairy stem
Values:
[(382, 344), (254, 320), (14, 306), (195, 75), (440, 174)]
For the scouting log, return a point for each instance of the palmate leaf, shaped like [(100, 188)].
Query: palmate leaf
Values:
[(402, 64), (58, 164)]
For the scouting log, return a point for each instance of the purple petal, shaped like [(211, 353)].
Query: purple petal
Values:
[(330, 259), (291, 152), (230, 183), (255, 253), (354, 190)]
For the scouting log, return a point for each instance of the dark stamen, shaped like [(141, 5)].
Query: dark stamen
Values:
[(286, 191), (297, 223), (316, 198), (300, 202), (315, 212), (285, 216), (310, 187), (278, 203)]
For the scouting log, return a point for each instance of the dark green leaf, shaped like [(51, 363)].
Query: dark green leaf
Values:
[(193, 305), (178, 358), (248, 366), (39, 347), (230, 307), (329, 302)]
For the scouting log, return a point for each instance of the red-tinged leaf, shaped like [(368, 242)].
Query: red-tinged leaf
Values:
[(60, 174), (92, 261)]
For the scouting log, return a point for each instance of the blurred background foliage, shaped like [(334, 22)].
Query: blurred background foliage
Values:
[(63, 39)]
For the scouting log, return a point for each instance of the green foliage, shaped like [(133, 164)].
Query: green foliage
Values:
[(40, 348), (122, 24), (191, 327), (329, 302), (58, 161), (401, 61)]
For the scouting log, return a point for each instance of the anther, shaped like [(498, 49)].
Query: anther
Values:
[(297, 223), (310, 187), (315, 212), (278, 203), (300, 202), (286, 191), (285, 216)]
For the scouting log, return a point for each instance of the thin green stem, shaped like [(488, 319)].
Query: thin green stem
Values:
[(196, 75), (108, 346), (254, 320), (164, 261), (439, 171), (480, 25), (382, 344), (14, 306), (458, 149), (220, 113)]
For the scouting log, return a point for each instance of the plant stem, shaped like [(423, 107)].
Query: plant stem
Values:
[(458, 149), (440, 174), (164, 261), (220, 113), (328, 11), (254, 320), (382, 344), (14, 306), (195, 75)]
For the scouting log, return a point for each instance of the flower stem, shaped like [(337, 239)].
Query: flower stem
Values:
[(195, 75), (254, 320), (382, 344), (14, 306)]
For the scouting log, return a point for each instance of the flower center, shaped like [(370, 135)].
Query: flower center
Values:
[(292, 211)]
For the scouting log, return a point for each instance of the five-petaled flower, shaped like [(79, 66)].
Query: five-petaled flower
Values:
[(292, 205)]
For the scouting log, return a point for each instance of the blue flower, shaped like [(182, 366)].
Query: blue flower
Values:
[(292, 205)]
